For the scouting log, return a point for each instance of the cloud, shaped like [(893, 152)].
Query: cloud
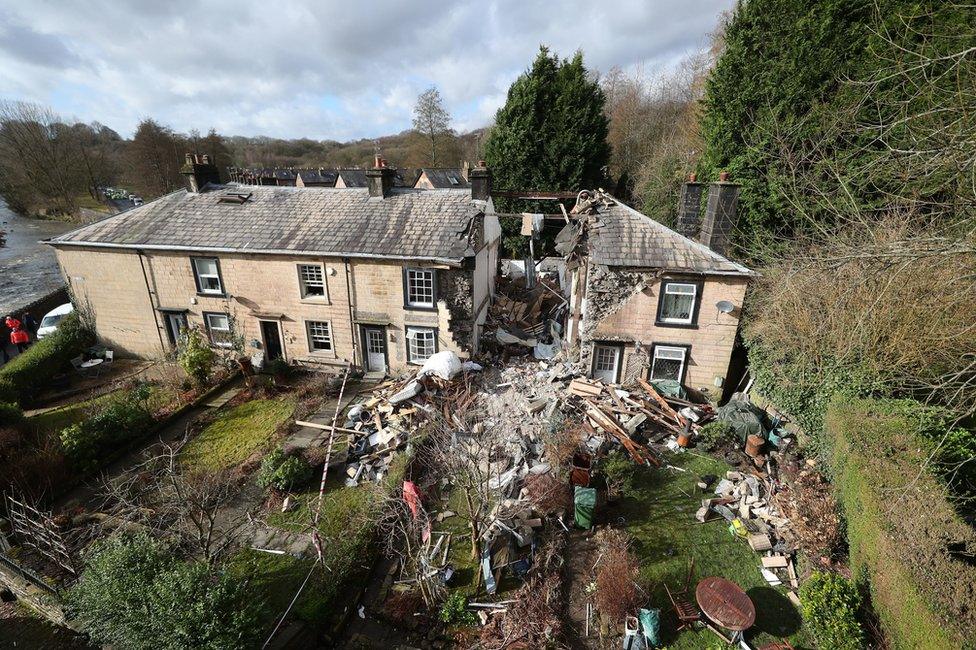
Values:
[(316, 68)]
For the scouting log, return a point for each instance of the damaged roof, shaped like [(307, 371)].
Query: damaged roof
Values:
[(408, 224), (625, 237)]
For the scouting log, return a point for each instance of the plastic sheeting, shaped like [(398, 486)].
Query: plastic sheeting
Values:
[(745, 418), (444, 364), (650, 622)]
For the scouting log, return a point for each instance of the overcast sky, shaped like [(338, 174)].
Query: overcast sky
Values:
[(318, 69)]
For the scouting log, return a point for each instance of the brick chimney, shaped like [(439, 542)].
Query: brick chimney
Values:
[(720, 217), (688, 222), (480, 179), (199, 170), (379, 179)]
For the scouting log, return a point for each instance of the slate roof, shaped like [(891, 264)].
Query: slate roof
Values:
[(353, 177), (321, 177), (445, 177), (408, 224), (625, 237)]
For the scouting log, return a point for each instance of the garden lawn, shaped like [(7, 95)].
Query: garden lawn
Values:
[(54, 420), (237, 433), (660, 517)]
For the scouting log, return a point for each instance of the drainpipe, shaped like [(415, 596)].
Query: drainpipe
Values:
[(350, 298), (152, 303)]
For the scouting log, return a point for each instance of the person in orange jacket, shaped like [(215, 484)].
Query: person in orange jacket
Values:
[(11, 322), (20, 338)]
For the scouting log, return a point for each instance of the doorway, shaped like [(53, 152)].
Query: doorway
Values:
[(374, 343), (175, 324), (271, 335)]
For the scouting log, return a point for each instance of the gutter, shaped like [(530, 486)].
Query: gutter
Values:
[(456, 263)]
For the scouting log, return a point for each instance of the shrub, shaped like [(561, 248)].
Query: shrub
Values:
[(195, 355), (284, 472), (123, 419), (454, 611), (830, 606), (135, 593), (278, 368), (31, 372), (618, 473), (10, 415), (903, 532), (715, 434), (616, 593)]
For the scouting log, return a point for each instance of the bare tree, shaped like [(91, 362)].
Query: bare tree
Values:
[(40, 157), (405, 536), (431, 119), (196, 507)]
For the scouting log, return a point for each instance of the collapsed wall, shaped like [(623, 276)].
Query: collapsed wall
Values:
[(456, 288)]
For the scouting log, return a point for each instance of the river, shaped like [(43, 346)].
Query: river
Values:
[(28, 269)]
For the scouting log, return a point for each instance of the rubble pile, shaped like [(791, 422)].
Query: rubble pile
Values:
[(379, 427), (748, 503), (528, 317)]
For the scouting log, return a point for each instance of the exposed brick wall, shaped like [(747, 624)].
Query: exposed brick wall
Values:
[(633, 322), (112, 282)]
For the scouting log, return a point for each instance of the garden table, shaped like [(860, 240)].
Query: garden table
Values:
[(726, 604)]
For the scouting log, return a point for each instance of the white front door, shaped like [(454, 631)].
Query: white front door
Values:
[(606, 363), (375, 349)]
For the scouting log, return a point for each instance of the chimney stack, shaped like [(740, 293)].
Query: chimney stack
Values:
[(379, 178), (688, 222), (480, 179), (199, 171), (720, 215)]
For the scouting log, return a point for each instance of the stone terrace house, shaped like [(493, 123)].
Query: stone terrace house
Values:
[(379, 276), (649, 302)]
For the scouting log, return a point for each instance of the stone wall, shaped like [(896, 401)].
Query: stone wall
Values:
[(128, 294), (621, 306)]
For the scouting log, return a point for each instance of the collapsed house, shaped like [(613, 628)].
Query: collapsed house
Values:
[(379, 276), (648, 302)]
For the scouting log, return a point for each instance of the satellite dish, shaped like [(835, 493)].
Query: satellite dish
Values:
[(724, 306)]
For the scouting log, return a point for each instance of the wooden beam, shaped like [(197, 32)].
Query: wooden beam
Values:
[(533, 194), (326, 427)]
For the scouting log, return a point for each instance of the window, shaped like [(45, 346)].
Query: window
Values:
[(669, 362), (606, 362), (207, 273), (420, 288), (678, 302), (218, 325), (311, 278), (319, 336), (421, 343)]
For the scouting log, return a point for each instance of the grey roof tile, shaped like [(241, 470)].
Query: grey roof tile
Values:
[(418, 224)]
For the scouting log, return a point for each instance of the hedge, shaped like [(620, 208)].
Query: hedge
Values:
[(31, 372), (901, 526)]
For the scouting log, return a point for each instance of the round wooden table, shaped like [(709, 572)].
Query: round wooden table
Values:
[(726, 604)]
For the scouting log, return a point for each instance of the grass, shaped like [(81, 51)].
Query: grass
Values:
[(660, 517), (237, 433), (54, 420), (459, 556)]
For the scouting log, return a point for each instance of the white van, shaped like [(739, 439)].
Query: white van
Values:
[(49, 324)]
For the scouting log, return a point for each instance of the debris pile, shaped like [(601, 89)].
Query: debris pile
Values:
[(528, 317), (386, 423), (749, 504)]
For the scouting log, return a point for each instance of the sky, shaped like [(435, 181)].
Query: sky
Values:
[(319, 69)]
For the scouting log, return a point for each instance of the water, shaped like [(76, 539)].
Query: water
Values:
[(28, 269)]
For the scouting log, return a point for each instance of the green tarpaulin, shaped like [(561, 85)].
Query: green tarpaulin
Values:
[(670, 388), (744, 417), (585, 501)]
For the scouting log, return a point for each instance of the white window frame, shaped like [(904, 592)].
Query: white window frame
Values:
[(671, 349), (211, 329), (667, 289), (410, 275), (303, 282), (201, 286), (310, 336), (412, 333), (598, 349)]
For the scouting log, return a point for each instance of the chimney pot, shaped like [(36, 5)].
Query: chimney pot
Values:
[(723, 177), (377, 161), (692, 177)]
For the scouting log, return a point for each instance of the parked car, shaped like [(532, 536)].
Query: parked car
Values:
[(136, 200), (49, 324)]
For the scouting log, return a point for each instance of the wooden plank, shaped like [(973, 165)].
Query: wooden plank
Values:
[(324, 427), (652, 392), (775, 562)]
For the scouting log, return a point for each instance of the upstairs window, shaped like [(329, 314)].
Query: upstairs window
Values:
[(421, 343), (219, 328), (206, 270), (420, 288), (319, 336), (311, 278), (678, 302)]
